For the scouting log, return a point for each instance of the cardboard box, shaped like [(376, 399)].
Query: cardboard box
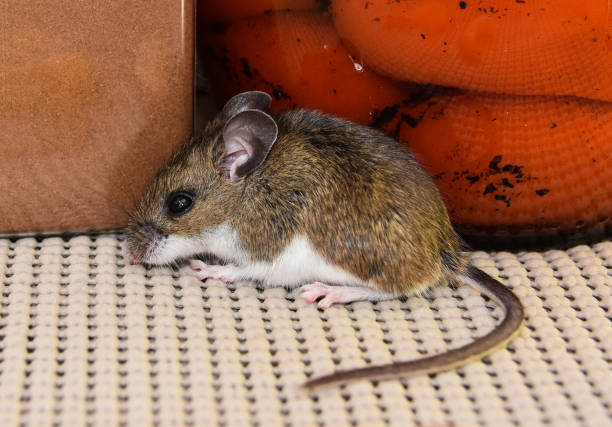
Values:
[(94, 99)]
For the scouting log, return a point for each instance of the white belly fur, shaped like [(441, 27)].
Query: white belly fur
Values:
[(297, 264)]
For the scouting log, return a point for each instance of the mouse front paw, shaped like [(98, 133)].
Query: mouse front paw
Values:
[(225, 273)]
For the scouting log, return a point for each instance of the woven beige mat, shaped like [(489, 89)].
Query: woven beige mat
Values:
[(87, 339)]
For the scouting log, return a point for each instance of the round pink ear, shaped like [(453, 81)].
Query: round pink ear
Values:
[(253, 100), (248, 137)]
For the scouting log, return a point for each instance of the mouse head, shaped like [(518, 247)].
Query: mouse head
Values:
[(195, 194)]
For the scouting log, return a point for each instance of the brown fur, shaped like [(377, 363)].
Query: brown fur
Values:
[(364, 202)]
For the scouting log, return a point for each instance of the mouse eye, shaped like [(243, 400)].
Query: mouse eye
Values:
[(179, 203)]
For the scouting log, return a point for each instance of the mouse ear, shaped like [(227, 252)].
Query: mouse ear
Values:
[(248, 138), (253, 100)]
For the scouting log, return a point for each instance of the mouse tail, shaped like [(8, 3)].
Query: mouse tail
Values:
[(498, 337)]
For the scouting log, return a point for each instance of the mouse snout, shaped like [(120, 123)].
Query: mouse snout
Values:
[(142, 241), (132, 256)]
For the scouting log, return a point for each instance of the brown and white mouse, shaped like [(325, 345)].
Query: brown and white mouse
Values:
[(303, 199)]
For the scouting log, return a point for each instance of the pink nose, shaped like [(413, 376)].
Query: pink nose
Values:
[(132, 256)]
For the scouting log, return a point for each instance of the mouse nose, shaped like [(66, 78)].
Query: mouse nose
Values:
[(132, 257), (141, 241), (132, 249), (131, 253)]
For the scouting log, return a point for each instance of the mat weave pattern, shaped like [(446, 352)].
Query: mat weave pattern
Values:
[(87, 339)]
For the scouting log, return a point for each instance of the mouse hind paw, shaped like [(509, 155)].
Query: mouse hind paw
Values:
[(328, 295)]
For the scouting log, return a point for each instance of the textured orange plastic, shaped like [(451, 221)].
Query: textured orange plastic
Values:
[(515, 163), (555, 47), (299, 59)]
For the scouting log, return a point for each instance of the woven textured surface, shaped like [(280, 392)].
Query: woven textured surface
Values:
[(85, 338)]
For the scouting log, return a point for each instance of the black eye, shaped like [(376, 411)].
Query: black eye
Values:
[(179, 203)]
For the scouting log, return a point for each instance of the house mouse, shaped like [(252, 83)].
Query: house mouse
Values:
[(304, 199)]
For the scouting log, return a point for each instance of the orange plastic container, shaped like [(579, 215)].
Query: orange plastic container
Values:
[(509, 106)]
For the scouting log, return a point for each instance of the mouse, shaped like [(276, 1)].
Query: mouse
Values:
[(302, 199)]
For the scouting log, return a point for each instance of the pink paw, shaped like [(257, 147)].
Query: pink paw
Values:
[(316, 290), (225, 273)]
